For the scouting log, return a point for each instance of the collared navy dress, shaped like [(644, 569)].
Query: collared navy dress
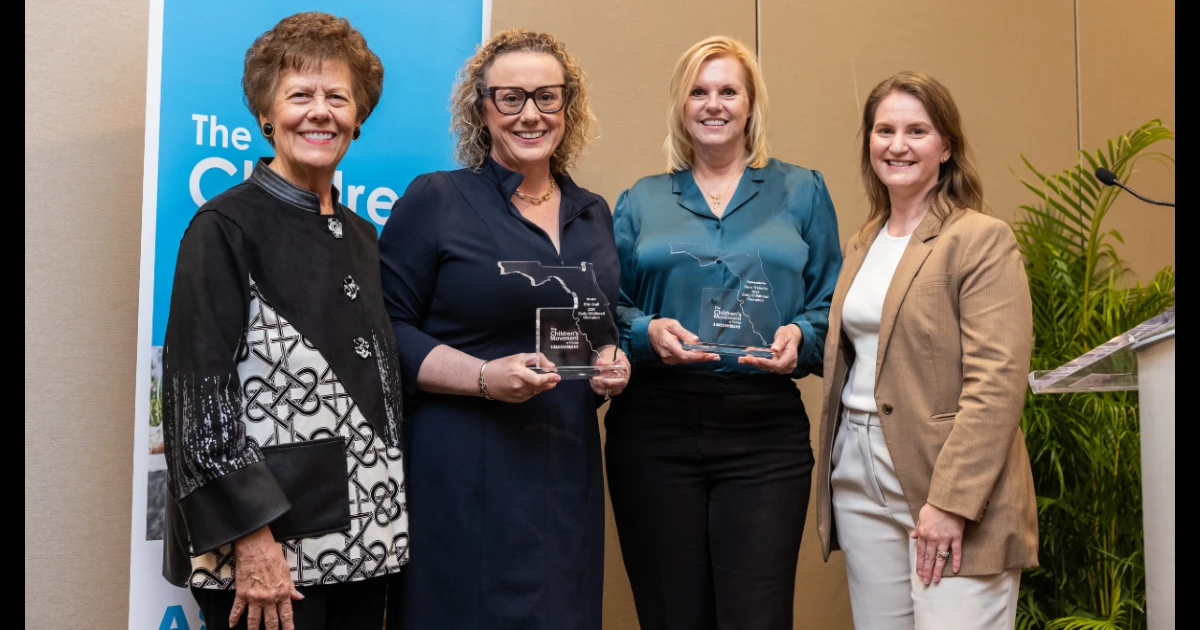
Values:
[(506, 500)]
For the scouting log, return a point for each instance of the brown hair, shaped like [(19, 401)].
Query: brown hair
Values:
[(467, 99), (301, 42), (678, 145), (958, 184)]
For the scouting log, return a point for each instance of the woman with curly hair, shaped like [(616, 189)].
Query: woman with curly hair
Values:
[(504, 478), (281, 402)]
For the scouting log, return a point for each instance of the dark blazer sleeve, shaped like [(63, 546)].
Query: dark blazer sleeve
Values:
[(602, 217), (219, 478), (409, 257)]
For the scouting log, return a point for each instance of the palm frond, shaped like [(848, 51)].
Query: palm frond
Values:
[(1084, 448)]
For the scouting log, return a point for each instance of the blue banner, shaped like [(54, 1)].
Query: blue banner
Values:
[(208, 140)]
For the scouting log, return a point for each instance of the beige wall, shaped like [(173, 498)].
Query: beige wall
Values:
[(85, 86), (1012, 67), (1127, 77), (821, 64)]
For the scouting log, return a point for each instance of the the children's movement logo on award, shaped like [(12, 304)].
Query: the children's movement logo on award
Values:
[(573, 337), (741, 316)]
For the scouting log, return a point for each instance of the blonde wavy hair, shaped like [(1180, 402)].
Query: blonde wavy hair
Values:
[(958, 184), (467, 100), (678, 146)]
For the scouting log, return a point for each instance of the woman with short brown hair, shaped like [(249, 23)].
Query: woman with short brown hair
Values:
[(923, 480), (281, 405)]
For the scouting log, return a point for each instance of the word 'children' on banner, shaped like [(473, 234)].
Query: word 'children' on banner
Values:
[(211, 133)]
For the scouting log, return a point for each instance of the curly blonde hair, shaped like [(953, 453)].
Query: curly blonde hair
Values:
[(467, 100)]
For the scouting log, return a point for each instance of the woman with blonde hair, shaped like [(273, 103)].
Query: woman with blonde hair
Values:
[(505, 478), (709, 462), (924, 481)]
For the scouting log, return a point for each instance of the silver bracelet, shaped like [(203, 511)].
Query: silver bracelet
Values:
[(483, 384)]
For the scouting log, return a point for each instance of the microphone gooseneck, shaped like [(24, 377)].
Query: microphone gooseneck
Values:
[(1109, 178)]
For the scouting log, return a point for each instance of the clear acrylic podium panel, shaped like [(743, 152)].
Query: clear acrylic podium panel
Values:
[(1111, 366)]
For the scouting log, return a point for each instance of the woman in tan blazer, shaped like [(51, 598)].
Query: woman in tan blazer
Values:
[(923, 472)]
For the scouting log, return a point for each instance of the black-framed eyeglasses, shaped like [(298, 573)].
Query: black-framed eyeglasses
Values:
[(510, 101)]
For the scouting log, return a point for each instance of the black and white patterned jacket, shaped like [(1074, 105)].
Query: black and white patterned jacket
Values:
[(282, 397)]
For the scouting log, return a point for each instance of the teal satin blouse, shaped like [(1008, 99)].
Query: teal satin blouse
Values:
[(781, 213)]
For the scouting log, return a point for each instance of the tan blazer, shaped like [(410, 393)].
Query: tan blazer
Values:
[(954, 344)]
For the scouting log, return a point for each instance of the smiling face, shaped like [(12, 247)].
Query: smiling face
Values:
[(906, 149), (314, 116), (718, 105), (526, 139)]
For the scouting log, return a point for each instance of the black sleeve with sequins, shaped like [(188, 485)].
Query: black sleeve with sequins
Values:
[(219, 479)]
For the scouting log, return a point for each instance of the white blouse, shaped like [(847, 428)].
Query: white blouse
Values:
[(861, 313)]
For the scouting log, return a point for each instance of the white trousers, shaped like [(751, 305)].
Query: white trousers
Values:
[(873, 528)]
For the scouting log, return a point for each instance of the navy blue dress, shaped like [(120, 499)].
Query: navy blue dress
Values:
[(506, 500)]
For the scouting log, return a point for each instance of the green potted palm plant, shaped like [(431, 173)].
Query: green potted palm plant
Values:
[(1085, 447)]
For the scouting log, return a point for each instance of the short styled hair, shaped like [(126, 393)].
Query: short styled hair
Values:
[(678, 146), (467, 100), (958, 184), (304, 41)]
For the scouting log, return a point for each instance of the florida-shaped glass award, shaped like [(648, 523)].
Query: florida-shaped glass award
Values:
[(740, 317), (571, 337)]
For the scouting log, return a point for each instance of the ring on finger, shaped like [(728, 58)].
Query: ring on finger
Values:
[(943, 554)]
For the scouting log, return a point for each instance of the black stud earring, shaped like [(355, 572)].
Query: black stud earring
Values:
[(357, 133), (268, 130)]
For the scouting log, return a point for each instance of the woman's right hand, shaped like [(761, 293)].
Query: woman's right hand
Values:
[(667, 337), (264, 583), (509, 379)]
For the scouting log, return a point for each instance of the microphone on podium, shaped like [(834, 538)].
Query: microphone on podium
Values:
[(1109, 178)]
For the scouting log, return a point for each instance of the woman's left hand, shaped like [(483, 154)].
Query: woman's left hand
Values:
[(785, 350), (939, 538), (611, 383)]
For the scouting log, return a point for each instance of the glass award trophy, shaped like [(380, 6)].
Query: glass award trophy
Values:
[(739, 318), (571, 337)]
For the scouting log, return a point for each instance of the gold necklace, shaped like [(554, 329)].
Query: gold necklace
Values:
[(537, 200), (716, 199)]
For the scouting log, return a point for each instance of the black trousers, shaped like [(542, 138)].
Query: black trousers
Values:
[(710, 477), (350, 606)]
